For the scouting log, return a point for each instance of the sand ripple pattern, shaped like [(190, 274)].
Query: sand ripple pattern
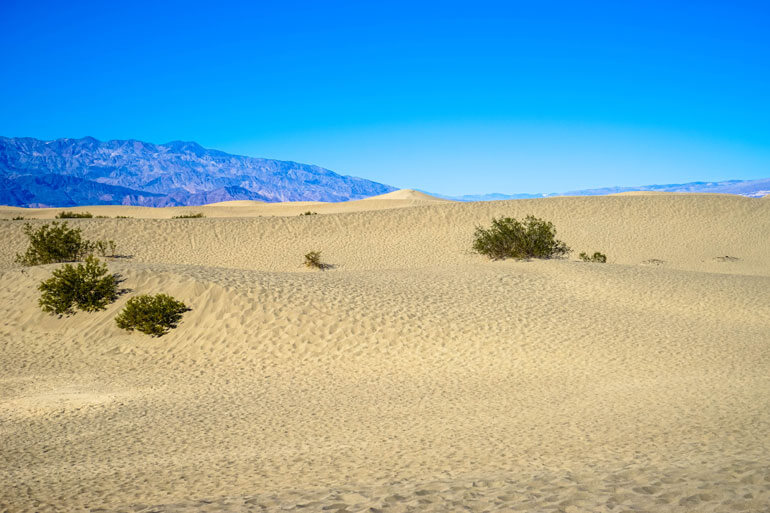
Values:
[(412, 377)]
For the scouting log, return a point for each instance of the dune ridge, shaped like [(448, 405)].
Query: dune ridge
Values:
[(412, 376)]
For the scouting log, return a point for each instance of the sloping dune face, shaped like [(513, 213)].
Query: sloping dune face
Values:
[(405, 194), (412, 375)]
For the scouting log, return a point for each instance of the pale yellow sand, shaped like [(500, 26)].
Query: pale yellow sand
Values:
[(245, 208), (413, 375)]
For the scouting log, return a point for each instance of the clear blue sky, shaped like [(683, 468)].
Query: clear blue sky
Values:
[(450, 97)]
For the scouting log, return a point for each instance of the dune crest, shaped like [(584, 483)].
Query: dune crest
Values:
[(235, 203), (405, 194)]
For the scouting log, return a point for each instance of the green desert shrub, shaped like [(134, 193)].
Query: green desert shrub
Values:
[(509, 238), (50, 244), (597, 257), (53, 243), (88, 287), (18, 218), (67, 214), (189, 216), (153, 315), (309, 213)]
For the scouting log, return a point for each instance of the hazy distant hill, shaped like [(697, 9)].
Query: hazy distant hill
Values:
[(751, 188), (69, 172)]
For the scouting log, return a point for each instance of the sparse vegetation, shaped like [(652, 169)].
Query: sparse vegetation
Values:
[(53, 243), (153, 315), (57, 242), (189, 216), (105, 248), (102, 217), (509, 238), (88, 287), (18, 218), (597, 257), (313, 260), (309, 213), (123, 217), (67, 214)]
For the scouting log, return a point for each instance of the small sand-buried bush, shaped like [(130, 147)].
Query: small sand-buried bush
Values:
[(509, 238), (599, 258), (153, 315), (88, 287), (313, 260), (67, 214)]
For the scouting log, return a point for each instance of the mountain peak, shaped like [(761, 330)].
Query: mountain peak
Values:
[(184, 146), (175, 173)]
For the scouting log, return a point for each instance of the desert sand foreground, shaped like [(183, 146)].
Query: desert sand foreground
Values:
[(413, 375)]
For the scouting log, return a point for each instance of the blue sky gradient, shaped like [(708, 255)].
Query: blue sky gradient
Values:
[(451, 97)]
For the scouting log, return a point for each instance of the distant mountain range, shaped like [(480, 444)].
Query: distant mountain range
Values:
[(750, 188), (71, 172)]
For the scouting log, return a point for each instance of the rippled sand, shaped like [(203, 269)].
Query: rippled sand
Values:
[(413, 375)]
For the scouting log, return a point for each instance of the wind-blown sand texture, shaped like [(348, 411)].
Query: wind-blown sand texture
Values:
[(414, 375)]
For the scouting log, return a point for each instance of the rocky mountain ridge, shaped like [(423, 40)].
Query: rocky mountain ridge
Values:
[(70, 172)]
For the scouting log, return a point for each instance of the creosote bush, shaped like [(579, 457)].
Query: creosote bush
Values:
[(57, 242), (509, 238), (597, 257), (53, 243), (153, 315), (67, 214), (189, 216), (87, 287), (313, 260)]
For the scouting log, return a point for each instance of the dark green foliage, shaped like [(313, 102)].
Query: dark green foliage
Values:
[(57, 242), (189, 216), (102, 217), (313, 260), (597, 257), (18, 218), (509, 238), (122, 217), (153, 315), (66, 214), (309, 213), (87, 287), (53, 243)]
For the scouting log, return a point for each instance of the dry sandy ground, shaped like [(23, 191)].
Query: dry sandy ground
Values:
[(413, 375)]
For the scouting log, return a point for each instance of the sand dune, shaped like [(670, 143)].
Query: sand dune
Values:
[(412, 376), (405, 194), (243, 208), (237, 203)]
